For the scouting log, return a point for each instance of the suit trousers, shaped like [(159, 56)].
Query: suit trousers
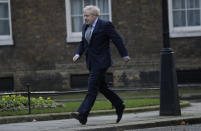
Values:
[(96, 83)]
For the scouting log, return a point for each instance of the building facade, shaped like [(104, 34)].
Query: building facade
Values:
[(38, 39)]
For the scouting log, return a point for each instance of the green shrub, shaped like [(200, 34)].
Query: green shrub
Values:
[(19, 102)]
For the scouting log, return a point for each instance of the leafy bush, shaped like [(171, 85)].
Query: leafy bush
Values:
[(19, 102)]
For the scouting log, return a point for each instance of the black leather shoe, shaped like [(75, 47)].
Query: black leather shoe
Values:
[(80, 118), (119, 112)]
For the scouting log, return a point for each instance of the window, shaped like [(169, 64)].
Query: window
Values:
[(184, 18), (5, 23), (75, 18)]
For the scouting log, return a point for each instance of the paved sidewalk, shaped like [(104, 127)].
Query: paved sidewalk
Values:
[(191, 115)]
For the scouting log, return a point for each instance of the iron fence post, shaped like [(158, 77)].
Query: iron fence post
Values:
[(29, 95)]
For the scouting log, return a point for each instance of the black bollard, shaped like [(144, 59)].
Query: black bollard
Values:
[(29, 95), (169, 99)]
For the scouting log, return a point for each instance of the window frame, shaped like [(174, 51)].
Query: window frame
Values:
[(76, 36), (7, 39), (189, 31)]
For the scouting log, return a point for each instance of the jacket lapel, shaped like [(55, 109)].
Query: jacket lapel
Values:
[(84, 28), (95, 29)]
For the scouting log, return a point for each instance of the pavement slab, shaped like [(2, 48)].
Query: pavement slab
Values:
[(190, 115)]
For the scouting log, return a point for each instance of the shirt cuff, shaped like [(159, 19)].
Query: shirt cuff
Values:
[(125, 57), (77, 55)]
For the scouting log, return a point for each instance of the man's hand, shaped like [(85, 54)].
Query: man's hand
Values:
[(76, 57), (126, 59)]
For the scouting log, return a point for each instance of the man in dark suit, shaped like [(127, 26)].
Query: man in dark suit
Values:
[(96, 36)]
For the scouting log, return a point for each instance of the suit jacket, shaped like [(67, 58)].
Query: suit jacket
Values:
[(98, 54)]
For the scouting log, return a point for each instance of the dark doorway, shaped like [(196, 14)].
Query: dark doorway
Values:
[(6, 84), (81, 81), (189, 76)]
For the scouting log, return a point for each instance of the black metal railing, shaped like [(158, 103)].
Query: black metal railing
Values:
[(29, 92)]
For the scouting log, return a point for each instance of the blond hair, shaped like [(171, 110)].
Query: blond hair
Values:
[(94, 10)]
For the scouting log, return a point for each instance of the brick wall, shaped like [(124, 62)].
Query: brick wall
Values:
[(42, 56)]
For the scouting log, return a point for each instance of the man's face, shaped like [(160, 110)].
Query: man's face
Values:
[(89, 19)]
